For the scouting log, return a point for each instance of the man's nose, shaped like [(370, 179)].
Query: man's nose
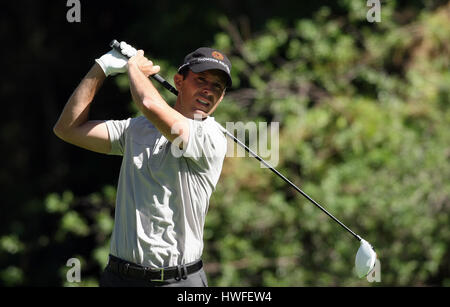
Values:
[(207, 87), (207, 90)]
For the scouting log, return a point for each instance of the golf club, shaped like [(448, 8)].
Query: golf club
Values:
[(365, 257)]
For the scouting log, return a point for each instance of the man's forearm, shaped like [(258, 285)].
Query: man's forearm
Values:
[(76, 110), (142, 90)]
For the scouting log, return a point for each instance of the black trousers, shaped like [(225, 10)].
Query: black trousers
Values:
[(113, 279)]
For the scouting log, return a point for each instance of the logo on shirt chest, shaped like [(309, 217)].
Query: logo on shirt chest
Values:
[(160, 145), (137, 160)]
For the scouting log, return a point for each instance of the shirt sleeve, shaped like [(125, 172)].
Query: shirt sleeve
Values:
[(206, 144), (117, 134)]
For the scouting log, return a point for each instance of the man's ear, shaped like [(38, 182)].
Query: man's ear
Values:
[(178, 80)]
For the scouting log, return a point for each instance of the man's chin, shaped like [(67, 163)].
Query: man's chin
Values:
[(199, 114)]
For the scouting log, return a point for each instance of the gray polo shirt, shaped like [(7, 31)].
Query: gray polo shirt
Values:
[(163, 193)]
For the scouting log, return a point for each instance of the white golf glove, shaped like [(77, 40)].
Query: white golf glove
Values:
[(114, 62)]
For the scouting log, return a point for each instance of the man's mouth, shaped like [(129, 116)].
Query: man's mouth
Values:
[(203, 102)]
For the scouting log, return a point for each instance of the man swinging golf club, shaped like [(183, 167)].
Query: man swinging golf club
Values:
[(162, 198), (139, 259)]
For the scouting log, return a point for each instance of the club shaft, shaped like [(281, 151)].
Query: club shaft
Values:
[(289, 182), (116, 45)]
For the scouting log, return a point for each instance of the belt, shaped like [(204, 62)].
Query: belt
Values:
[(130, 269)]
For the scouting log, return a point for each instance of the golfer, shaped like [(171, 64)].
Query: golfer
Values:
[(172, 160)]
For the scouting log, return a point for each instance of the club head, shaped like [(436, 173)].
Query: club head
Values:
[(365, 259)]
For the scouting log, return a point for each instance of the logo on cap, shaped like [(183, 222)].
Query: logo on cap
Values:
[(217, 55)]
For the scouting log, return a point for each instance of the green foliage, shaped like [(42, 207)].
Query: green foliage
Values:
[(11, 244), (11, 276), (365, 130), (76, 220)]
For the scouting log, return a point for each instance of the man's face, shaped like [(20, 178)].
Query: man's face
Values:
[(199, 93)]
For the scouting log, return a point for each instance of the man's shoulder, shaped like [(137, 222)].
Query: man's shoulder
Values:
[(214, 127), (141, 128), (140, 121)]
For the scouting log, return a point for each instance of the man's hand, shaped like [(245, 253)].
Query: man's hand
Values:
[(144, 64), (114, 62)]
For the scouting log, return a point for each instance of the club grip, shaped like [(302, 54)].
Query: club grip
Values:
[(116, 45)]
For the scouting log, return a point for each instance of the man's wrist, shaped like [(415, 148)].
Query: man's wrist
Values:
[(97, 71), (101, 65)]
